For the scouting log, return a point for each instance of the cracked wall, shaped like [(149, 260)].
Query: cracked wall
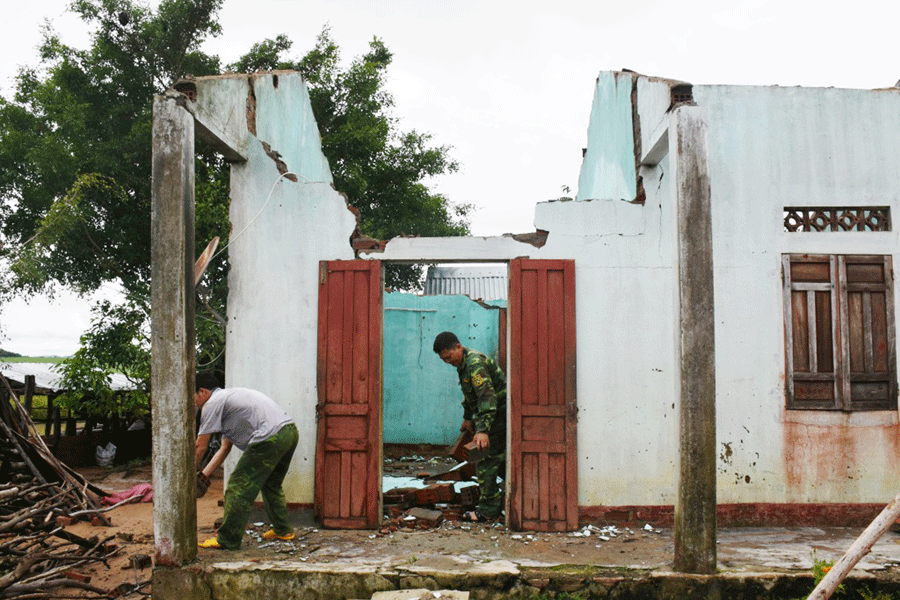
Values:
[(285, 217), (768, 147)]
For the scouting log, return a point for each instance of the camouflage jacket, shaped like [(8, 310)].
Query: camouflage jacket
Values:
[(484, 391)]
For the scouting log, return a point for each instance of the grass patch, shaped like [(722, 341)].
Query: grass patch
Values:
[(38, 410), (33, 359)]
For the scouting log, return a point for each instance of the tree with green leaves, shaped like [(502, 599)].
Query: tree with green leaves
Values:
[(379, 168), (75, 155)]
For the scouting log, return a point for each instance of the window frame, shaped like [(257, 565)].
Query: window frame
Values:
[(846, 301)]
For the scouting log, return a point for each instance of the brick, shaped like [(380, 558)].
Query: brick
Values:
[(425, 518), (121, 590), (438, 492), (75, 576), (400, 496), (476, 455), (456, 475), (64, 521), (458, 448), (469, 496)]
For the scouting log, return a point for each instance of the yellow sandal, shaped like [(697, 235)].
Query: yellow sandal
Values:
[(270, 535)]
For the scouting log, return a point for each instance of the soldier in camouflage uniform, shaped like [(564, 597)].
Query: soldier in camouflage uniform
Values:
[(484, 414)]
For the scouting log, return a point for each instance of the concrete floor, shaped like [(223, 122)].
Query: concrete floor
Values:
[(463, 547), (493, 562)]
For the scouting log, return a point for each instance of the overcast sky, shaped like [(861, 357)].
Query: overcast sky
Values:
[(509, 84)]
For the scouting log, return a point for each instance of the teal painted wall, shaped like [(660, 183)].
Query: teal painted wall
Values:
[(608, 170), (422, 400)]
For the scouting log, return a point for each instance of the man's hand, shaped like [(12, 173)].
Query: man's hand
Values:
[(467, 426), (202, 484), (481, 441)]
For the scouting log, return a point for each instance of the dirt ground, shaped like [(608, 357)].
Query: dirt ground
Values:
[(132, 529)]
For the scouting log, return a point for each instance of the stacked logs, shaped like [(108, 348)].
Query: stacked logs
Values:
[(38, 496)]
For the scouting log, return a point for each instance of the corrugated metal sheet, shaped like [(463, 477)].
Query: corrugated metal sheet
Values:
[(488, 282), (46, 378)]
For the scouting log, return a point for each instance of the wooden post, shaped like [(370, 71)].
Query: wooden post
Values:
[(29, 394), (857, 550), (71, 423), (695, 510), (48, 417), (57, 424), (172, 332)]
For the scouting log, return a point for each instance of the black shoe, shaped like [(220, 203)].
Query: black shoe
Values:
[(473, 516)]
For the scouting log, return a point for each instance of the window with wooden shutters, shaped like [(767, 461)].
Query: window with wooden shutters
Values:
[(839, 332)]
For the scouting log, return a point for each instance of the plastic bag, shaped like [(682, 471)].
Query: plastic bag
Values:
[(106, 456)]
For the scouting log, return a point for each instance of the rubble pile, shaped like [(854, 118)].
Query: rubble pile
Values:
[(428, 507), (39, 496)]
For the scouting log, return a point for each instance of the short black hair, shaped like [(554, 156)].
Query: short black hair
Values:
[(206, 380), (445, 340)]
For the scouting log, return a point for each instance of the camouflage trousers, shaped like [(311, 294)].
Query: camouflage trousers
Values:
[(487, 471), (261, 468)]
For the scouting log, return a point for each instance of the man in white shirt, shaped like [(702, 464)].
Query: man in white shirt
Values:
[(254, 423)]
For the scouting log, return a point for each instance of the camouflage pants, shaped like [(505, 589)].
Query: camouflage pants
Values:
[(487, 471), (261, 468)]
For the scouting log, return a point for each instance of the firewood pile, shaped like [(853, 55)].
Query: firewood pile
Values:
[(39, 495)]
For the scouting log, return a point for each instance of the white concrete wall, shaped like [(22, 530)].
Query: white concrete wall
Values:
[(280, 231), (625, 338), (770, 148), (623, 284)]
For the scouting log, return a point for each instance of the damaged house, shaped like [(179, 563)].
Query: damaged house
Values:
[(803, 184)]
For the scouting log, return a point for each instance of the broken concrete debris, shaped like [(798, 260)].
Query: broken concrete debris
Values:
[(427, 507)]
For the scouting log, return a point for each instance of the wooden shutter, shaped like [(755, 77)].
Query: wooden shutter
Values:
[(810, 313), (839, 332), (542, 486), (348, 447), (867, 321)]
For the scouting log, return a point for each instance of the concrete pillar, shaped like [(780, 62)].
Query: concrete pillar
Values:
[(695, 510), (172, 334)]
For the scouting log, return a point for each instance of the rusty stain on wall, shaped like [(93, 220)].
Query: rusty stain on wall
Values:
[(726, 454), (827, 454)]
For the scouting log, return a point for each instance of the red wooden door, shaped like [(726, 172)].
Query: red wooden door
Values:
[(348, 447), (543, 463)]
